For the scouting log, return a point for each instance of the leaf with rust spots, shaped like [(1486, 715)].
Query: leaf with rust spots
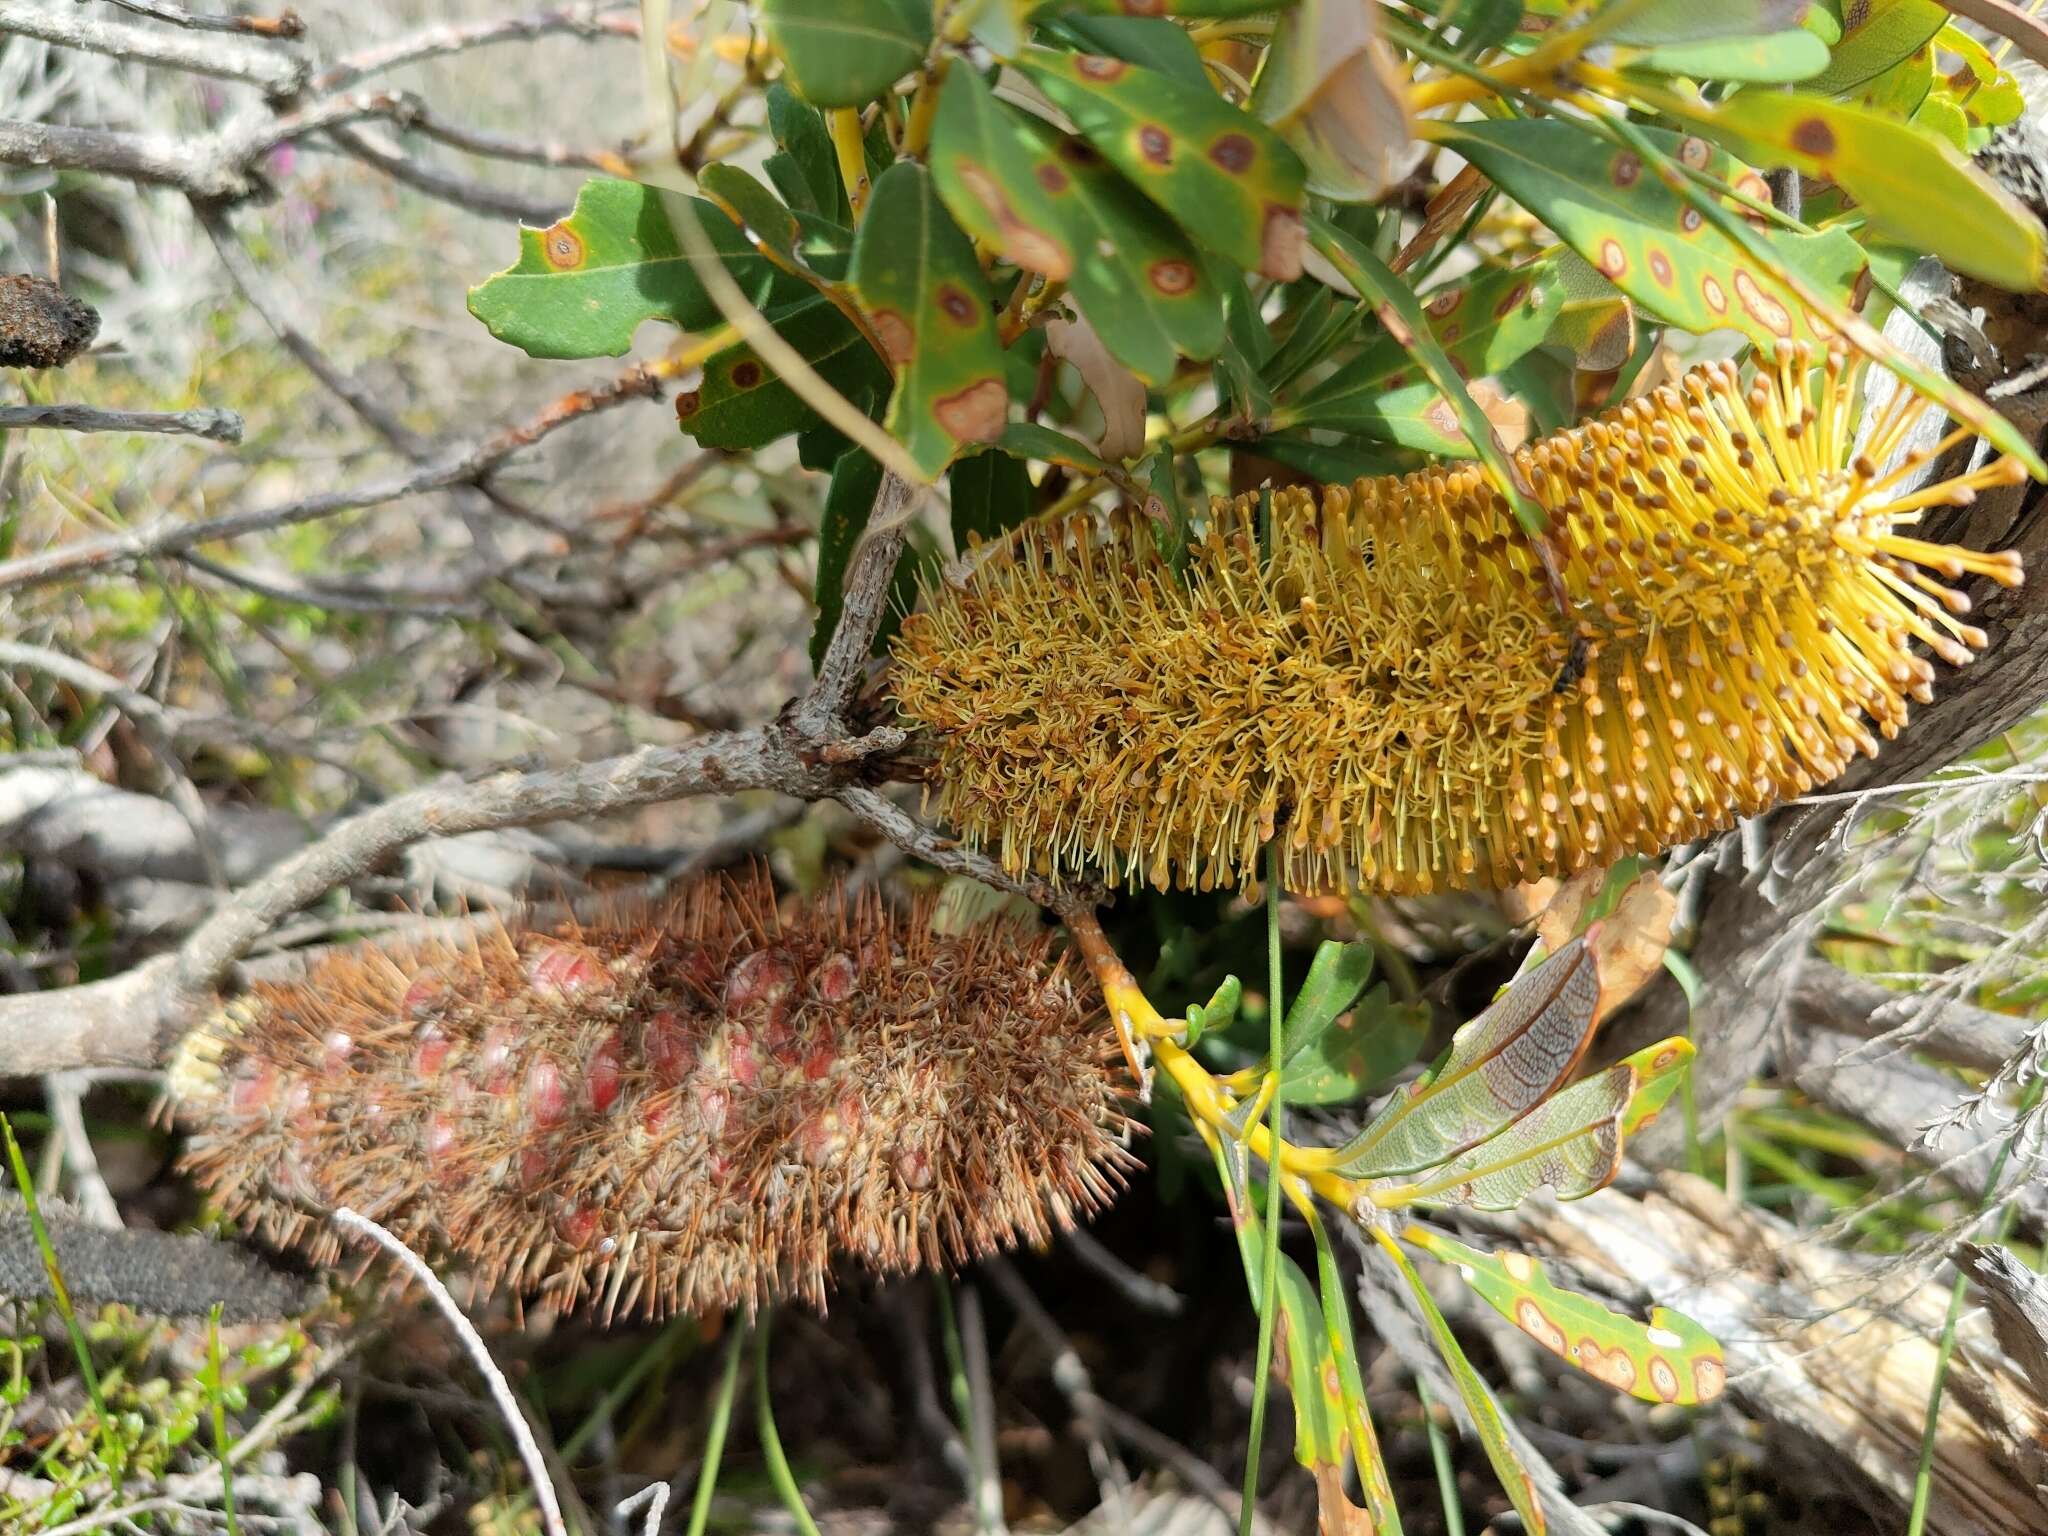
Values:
[(1670, 1359), (1333, 89), (741, 405), (845, 53), (1909, 183), (585, 284), (987, 161), (1226, 178), (915, 275), (1643, 238), (1483, 323)]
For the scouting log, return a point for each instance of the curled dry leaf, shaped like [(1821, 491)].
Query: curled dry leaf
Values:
[(1628, 946), (1115, 387), (1337, 94)]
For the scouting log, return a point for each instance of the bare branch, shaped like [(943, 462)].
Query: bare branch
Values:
[(215, 425), (477, 197), (608, 18), (463, 467), (285, 25), (274, 71)]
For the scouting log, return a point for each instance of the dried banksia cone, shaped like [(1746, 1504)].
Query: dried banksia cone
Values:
[(1392, 689), (693, 1108)]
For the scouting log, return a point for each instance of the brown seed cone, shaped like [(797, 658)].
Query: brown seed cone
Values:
[(678, 1110), (41, 326)]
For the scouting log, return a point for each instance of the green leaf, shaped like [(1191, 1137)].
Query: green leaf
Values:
[(1336, 976), (583, 285), (742, 405), (1400, 313), (1479, 1404), (1670, 1359), (1688, 21), (916, 276), (1219, 1013), (1910, 184), (1499, 1067), (1641, 236), (849, 501), (1571, 1143), (1301, 1343), (1028, 440), (1332, 463), (1483, 323), (1773, 59), (1359, 1053), (1226, 178), (991, 494), (845, 53), (799, 130), (748, 203), (1152, 41), (1201, 8), (1876, 34)]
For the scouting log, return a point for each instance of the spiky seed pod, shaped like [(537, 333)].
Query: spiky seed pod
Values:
[(681, 1110), (1386, 684)]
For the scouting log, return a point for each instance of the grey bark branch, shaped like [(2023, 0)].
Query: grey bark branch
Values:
[(609, 18), (1825, 997), (216, 425), (275, 70)]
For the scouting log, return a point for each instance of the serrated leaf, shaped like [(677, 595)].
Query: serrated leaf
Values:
[(1776, 58), (1642, 237), (845, 53), (916, 276), (584, 285), (1483, 323), (1479, 1404), (1670, 1359), (991, 494), (1028, 440), (1571, 1143), (1499, 1066), (742, 405), (1359, 1053), (1876, 34), (1227, 179), (1910, 184)]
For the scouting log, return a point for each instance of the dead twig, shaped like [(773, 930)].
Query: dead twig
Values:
[(215, 425), (274, 71)]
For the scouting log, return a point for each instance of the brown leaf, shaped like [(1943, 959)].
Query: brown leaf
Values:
[(1115, 387), (1630, 943)]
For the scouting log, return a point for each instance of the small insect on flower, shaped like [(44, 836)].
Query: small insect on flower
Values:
[(1390, 690), (690, 1108)]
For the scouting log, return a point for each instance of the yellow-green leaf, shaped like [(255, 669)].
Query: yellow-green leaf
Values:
[(1670, 1359), (1910, 184), (1876, 34), (1773, 59), (916, 276), (1645, 239)]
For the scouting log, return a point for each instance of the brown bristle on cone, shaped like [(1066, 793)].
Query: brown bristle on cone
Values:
[(688, 1108)]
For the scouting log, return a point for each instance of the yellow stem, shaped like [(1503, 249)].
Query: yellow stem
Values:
[(1206, 1098), (924, 109), (847, 143)]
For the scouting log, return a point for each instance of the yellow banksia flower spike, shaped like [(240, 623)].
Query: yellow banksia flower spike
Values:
[(1390, 687)]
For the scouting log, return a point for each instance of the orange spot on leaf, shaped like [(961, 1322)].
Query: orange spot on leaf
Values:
[(1172, 277), (1613, 259), (1093, 66), (976, 414), (1627, 168), (1155, 144), (1813, 137), (1234, 152), (562, 247), (898, 339), (746, 374)]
